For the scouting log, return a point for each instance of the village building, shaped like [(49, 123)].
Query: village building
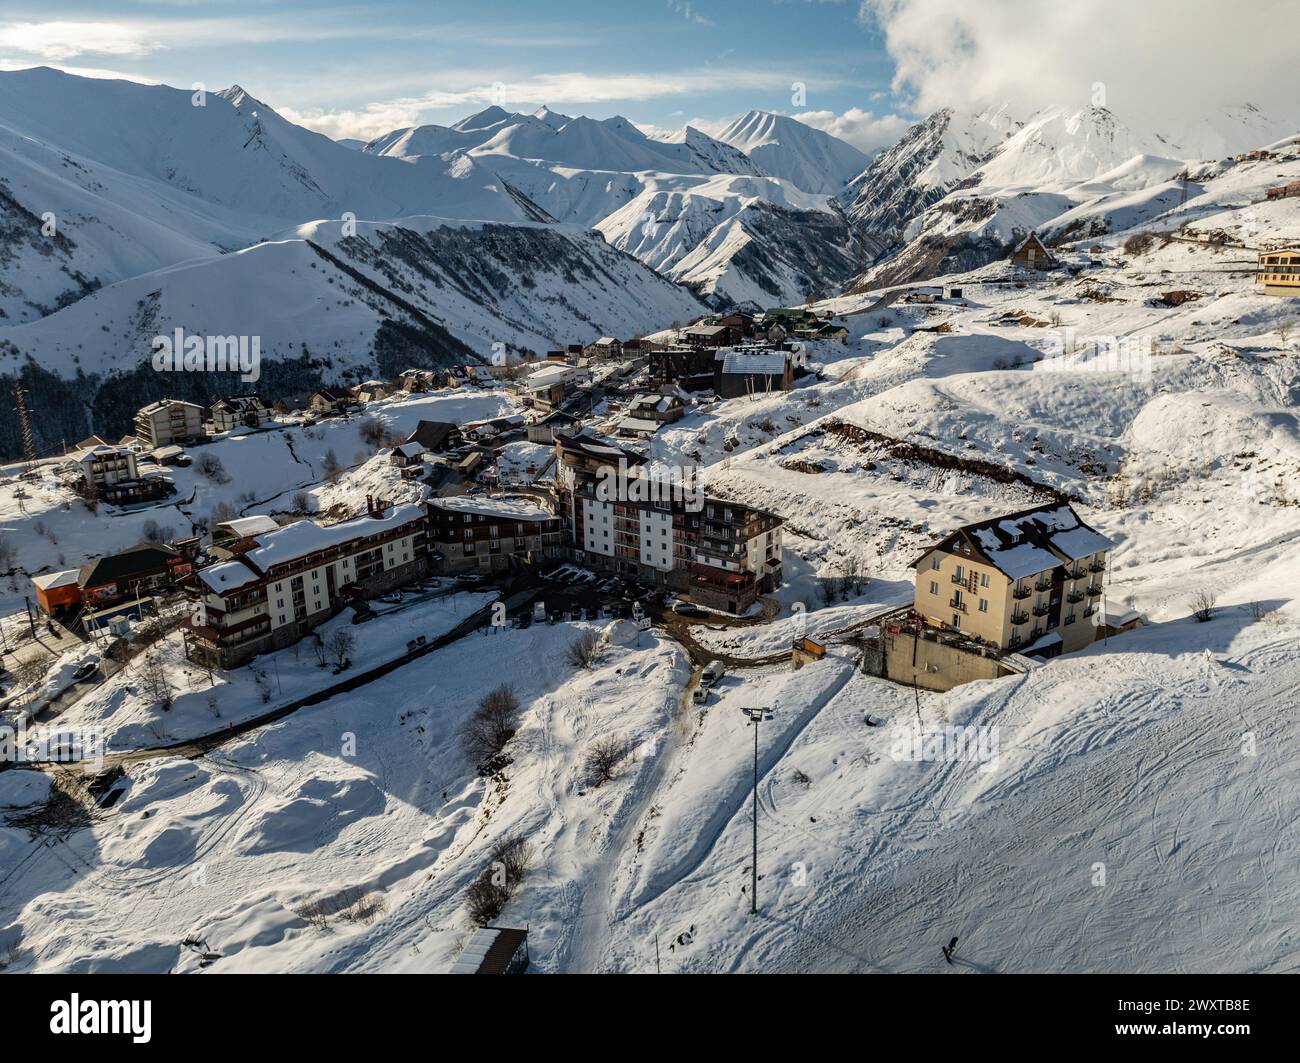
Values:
[(1032, 253), (371, 391), (491, 534), (1286, 191), (706, 335), (738, 373), (58, 594), (690, 368), (117, 475), (240, 411), (1029, 582), (169, 422), (720, 554), (1279, 272), (544, 430), (327, 401), (131, 573), (420, 380), (605, 347), (279, 585), (436, 437)]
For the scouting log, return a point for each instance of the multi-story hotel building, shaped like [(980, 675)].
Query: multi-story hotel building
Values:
[(1030, 581), (720, 554), (273, 587), (1279, 272), (469, 533)]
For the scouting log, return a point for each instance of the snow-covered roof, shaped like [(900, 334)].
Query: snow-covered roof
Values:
[(511, 507), (638, 424), (410, 450), (51, 580), (256, 525), (227, 576), (307, 537), (770, 364), (104, 451), (1036, 540)]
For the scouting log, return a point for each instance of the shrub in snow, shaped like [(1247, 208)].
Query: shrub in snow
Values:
[(491, 726), (602, 759), (585, 651), (508, 865)]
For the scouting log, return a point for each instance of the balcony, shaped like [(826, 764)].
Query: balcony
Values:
[(1019, 618), (1075, 573), (1097, 566), (1043, 585), (1090, 611), (955, 603), (1074, 597), (1042, 610), (1094, 591), (1021, 593)]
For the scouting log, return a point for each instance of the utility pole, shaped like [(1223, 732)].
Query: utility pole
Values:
[(755, 717), (30, 620), (25, 430)]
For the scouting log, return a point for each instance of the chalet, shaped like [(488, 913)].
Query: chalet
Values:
[(495, 428), (687, 367), (371, 391), (544, 430), (329, 400), (169, 422), (740, 324), (491, 534), (241, 529), (1032, 253), (407, 456), (117, 475), (664, 409), (132, 572), (436, 437), (1287, 191), (749, 373), (605, 347), (707, 335), (1278, 272), (420, 380), (241, 411)]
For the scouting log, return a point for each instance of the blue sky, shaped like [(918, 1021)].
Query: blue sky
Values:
[(360, 69)]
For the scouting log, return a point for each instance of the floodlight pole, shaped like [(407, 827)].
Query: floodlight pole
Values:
[(753, 891)]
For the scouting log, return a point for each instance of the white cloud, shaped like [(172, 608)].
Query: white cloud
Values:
[(867, 132), (64, 40), (560, 90), (1150, 56)]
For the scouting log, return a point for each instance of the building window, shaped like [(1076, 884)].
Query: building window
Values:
[(984, 579), (934, 587), (984, 605), (935, 562)]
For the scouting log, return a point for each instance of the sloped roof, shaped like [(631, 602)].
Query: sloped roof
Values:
[(307, 537), (772, 364), (147, 559), (228, 576), (1031, 541)]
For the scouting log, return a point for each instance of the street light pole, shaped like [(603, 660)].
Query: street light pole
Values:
[(753, 892)]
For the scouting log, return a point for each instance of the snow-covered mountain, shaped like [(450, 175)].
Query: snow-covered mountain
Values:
[(736, 226), (810, 159), (329, 306), (960, 187)]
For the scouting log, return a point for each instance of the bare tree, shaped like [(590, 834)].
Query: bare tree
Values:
[(585, 651), (301, 502), (509, 862), (602, 759), (493, 724), (1202, 604), (210, 466), (332, 466), (152, 674), (340, 644)]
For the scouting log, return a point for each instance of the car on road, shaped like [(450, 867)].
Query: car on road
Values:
[(392, 597), (85, 671)]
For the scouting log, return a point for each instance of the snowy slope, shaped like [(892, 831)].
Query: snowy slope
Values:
[(329, 308), (784, 147)]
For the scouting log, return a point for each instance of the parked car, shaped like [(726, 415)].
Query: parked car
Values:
[(392, 598), (363, 617), (85, 671), (700, 696), (688, 609), (713, 672)]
